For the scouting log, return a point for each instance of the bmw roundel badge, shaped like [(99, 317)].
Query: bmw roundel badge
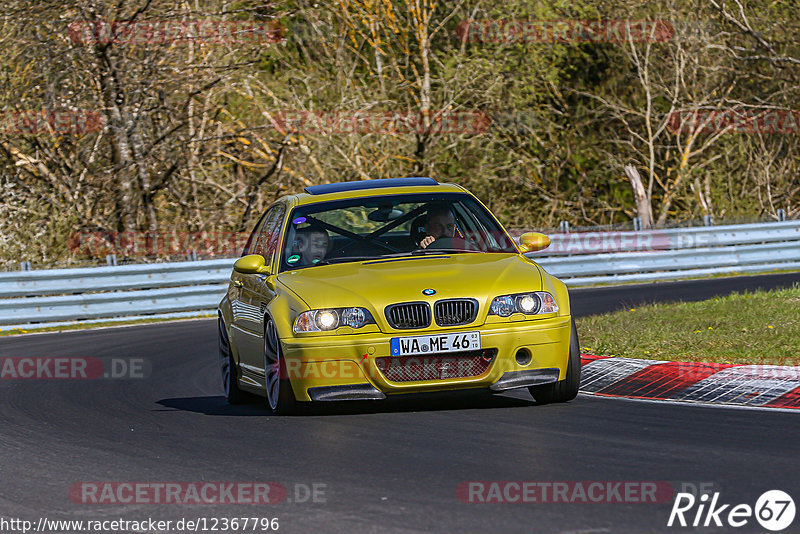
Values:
[(429, 292)]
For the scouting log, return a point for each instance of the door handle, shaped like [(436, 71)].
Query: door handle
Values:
[(238, 283)]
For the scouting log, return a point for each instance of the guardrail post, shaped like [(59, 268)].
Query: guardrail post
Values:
[(111, 259), (781, 215), (637, 224), (564, 227), (25, 266), (708, 220)]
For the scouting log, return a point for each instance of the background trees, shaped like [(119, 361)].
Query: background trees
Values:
[(199, 134)]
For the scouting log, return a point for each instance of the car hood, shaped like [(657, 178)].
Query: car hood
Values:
[(375, 284)]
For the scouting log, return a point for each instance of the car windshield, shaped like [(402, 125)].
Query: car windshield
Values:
[(388, 226)]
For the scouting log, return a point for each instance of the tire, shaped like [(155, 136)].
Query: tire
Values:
[(567, 389), (229, 369), (280, 397)]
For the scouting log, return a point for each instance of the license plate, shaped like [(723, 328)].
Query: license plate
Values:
[(435, 343)]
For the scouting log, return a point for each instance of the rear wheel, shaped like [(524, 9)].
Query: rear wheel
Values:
[(567, 389), (228, 368), (280, 396)]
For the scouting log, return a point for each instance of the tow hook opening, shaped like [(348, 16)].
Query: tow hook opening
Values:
[(523, 357)]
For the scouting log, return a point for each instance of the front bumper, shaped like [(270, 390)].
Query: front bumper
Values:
[(344, 367)]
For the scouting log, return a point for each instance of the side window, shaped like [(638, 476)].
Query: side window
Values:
[(267, 242), (251, 241)]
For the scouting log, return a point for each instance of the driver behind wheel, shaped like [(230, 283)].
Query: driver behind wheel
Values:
[(439, 223), (311, 244)]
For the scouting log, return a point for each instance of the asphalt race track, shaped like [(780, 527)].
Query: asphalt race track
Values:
[(378, 467)]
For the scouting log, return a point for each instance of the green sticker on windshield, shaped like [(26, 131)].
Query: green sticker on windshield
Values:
[(293, 259)]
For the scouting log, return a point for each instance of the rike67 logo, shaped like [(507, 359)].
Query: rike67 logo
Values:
[(774, 510)]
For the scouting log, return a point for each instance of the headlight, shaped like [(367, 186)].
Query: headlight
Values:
[(331, 319), (326, 320), (535, 303)]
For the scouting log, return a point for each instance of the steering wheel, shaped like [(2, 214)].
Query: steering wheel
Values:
[(442, 242), (458, 243)]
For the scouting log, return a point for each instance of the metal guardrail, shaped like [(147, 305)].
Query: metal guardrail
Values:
[(95, 279), (671, 239), (111, 304), (32, 299), (732, 257)]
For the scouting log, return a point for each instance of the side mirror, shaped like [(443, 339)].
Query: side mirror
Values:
[(533, 241), (251, 264)]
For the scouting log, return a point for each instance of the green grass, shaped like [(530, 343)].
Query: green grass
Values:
[(761, 327), (11, 331)]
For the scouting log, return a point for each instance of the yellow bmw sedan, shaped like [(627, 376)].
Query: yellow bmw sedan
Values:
[(365, 290)]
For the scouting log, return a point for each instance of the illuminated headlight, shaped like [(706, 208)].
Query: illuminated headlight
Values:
[(528, 303), (331, 319), (535, 303), (326, 319)]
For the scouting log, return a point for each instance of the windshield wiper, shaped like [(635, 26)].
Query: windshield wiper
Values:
[(420, 251), (344, 259)]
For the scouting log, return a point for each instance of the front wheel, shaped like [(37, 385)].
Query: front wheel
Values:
[(567, 389), (280, 396)]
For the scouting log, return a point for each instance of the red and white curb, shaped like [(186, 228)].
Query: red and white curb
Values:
[(771, 386)]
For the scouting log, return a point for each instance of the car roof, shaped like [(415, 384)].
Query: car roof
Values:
[(368, 188), (369, 184)]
